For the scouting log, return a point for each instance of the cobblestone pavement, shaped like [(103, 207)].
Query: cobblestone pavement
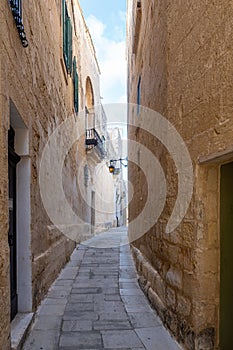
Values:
[(96, 303)]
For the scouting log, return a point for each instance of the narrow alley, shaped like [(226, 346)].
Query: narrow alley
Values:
[(96, 303), (116, 172)]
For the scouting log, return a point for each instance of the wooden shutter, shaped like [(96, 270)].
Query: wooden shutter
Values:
[(67, 37), (75, 80), (64, 10), (69, 46)]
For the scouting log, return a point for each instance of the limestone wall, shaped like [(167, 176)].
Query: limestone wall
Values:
[(35, 86), (184, 57)]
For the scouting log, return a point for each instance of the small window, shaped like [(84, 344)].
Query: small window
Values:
[(67, 38), (139, 95), (75, 83)]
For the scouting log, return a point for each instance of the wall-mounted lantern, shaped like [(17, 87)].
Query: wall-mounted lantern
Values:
[(112, 167)]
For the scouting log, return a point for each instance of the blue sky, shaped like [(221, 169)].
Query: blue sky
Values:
[(107, 24), (108, 12)]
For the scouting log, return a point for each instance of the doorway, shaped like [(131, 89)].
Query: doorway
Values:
[(13, 160), (226, 254), (20, 214)]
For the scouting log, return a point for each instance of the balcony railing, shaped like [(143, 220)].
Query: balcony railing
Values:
[(93, 140)]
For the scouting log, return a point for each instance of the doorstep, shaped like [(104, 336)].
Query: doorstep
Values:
[(19, 328)]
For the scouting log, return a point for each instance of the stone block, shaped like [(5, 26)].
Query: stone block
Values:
[(156, 303), (205, 339), (174, 277), (183, 305), (170, 298)]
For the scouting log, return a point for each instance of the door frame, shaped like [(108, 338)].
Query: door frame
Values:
[(216, 161), (13, 160), (23, 205)]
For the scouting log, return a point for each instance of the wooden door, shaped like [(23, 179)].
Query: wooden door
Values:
[(226, 257)]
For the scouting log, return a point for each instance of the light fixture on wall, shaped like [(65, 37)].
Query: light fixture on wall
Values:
[(112, 167)]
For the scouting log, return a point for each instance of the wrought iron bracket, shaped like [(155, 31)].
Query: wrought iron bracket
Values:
[(15, 9)]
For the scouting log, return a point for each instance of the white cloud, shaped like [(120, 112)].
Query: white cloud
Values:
[(111, 57), (122, 99), (122, 15)]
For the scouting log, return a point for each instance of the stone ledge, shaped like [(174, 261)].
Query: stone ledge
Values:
[(19, 328)]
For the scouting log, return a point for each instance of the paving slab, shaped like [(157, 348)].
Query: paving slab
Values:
[(131, 291), (112, 297), (121, 338), (106, 316), (144, 320), (48, 323), (74, 326), (52, 310), (54, 301), (81, 298), (42, 340), (159, 340), (138, 308), (81, 340), (113, 306), (68, 273), (112, 325), (78, 315), (96, 303), (134, 299), (79, 307), (85, 290)]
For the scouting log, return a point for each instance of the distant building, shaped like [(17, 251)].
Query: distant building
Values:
[(115, 152)]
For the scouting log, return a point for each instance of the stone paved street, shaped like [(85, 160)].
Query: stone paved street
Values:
[(96, 303)]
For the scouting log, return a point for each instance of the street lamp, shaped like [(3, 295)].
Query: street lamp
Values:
[(112, 168)]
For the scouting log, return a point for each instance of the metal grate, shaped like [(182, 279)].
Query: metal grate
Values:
[(93, 139)]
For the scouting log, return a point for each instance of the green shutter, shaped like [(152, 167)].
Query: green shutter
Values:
[(76, 101), (63, 23), (67, 37), (74, 66), (75, 81), (69, 47)]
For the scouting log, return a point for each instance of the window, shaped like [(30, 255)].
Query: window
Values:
[(139, 95), (75, 83), (137, 26), (67, 38)]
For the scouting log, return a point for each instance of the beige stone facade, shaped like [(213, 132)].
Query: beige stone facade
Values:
[(36, 96), (182, 54), (116, 152)]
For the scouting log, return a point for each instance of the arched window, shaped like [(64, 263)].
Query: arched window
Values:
[(89, 94)]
